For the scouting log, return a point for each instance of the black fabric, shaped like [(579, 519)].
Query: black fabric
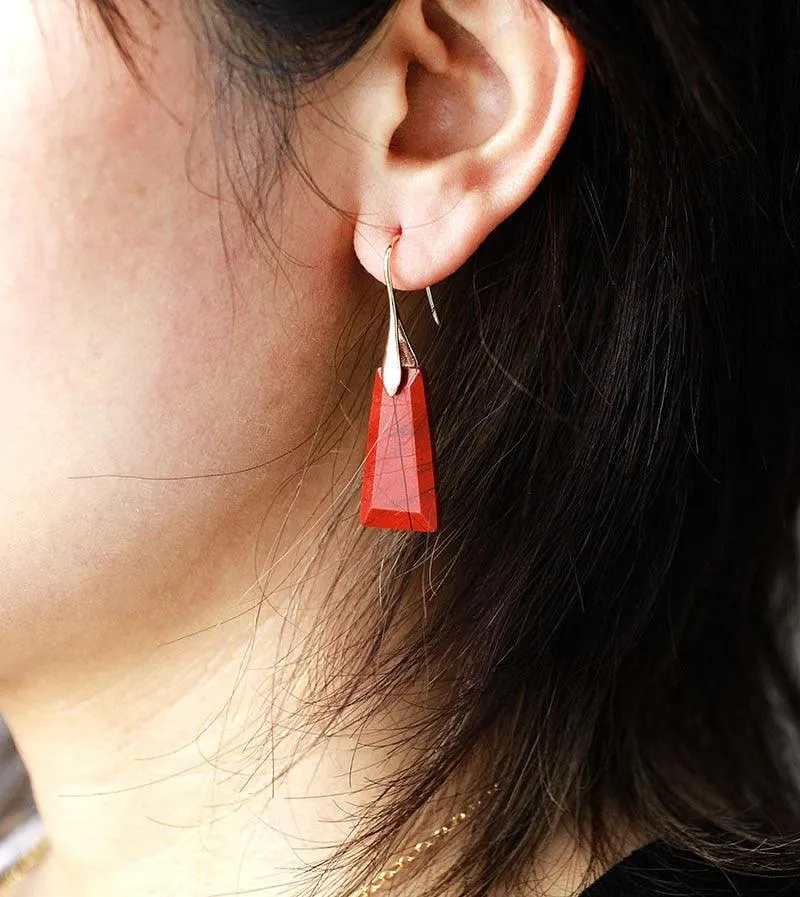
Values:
[(661, 871)]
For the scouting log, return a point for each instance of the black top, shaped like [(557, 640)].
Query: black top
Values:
[(661, 871)]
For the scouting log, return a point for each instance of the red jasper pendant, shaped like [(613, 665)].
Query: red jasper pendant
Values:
[(399, 487)]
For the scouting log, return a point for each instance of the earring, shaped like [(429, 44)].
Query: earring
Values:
[(399, 486)]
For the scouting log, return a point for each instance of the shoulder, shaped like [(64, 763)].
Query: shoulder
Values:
[(659, 870)]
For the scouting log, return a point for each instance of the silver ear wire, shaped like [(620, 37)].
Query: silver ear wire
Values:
[(433, 307), (399, 353), (392, 371)]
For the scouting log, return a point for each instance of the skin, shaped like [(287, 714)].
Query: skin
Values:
[(132, 347), (151, 347)]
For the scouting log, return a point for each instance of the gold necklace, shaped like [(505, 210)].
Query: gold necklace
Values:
[(24, 865), (411, 855), (30, 860)]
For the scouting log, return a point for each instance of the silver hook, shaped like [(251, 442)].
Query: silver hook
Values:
[(399, 353), (433, 307)]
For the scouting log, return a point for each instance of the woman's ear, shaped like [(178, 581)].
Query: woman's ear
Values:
[(464, 105)]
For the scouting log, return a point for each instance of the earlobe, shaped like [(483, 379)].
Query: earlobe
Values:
[(485, 92)]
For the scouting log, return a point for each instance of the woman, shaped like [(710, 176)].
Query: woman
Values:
[(581, 653)]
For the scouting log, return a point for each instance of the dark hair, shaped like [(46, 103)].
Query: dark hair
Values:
[(610, 607)]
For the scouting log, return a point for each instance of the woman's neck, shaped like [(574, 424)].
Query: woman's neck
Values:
[(182, 758), (165, 777)]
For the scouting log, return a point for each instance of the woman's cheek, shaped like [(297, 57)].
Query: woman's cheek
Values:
[(141, 355)]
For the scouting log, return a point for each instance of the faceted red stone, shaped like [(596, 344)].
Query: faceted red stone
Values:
[(399, 487)]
